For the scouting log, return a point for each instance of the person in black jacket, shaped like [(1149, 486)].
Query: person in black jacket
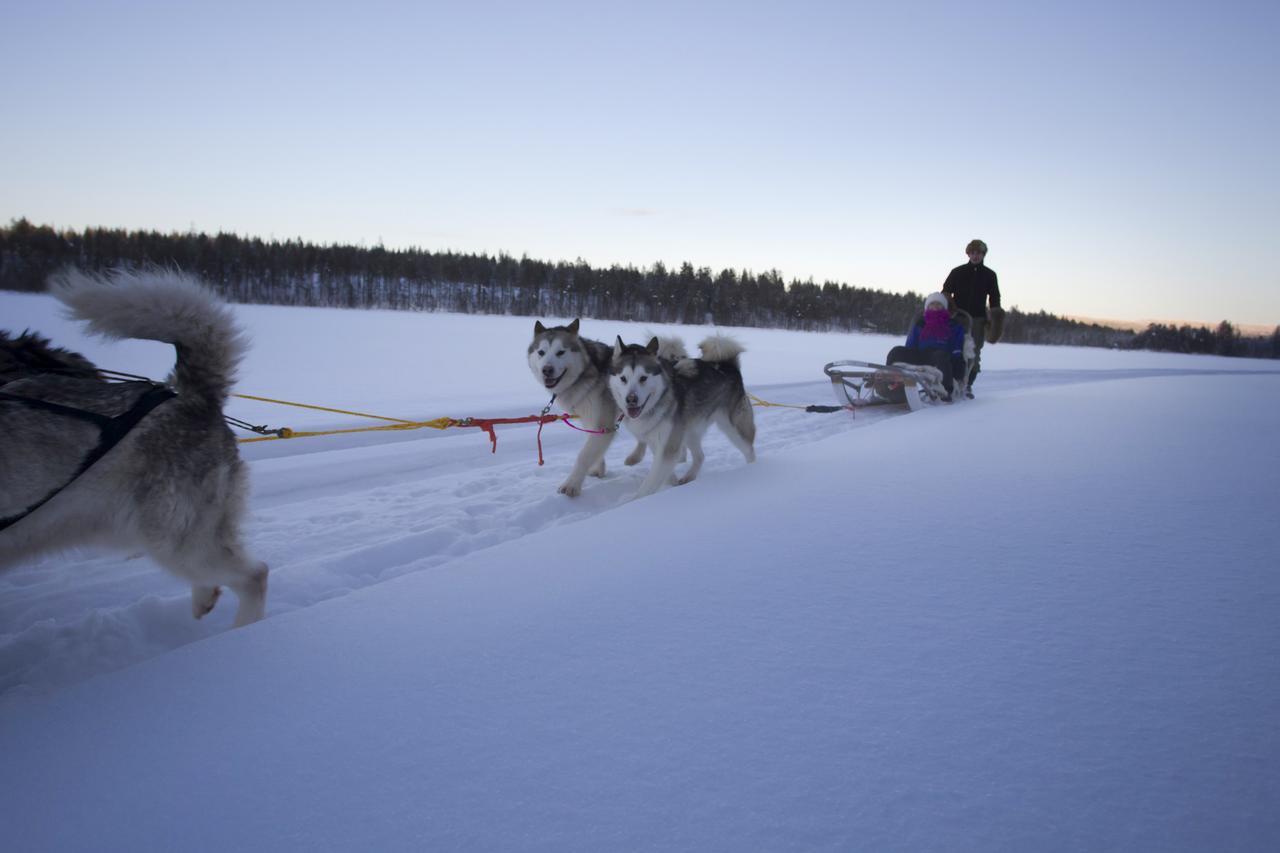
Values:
[(971, 285)]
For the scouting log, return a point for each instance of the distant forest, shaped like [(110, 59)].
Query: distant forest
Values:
[(291, 272)]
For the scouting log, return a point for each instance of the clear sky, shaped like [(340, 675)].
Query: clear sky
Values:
[(1119, 158)]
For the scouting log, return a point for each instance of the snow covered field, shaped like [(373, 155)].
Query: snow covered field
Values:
[(1041, 620)]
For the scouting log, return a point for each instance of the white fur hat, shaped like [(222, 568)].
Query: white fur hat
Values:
[(939, 298)]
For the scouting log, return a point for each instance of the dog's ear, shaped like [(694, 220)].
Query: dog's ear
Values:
[(573, 327), (538, 328), (618, 347), (653, 346)]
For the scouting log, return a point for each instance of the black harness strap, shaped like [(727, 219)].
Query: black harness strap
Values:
[(111, 431), (31, 403)]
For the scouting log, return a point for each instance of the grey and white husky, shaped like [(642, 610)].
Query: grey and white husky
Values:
[(576, 371), (170, 480), (669, 405)]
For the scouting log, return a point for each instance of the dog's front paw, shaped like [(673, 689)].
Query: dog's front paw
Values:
[(687, 478), (571, 489), (636, 456)]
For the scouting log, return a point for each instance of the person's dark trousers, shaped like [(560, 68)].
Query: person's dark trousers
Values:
[(957, 368), (979, 331), (930, 358)]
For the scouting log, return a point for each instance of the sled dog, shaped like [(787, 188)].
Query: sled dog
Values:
[(131, 464), (30, 354), (576, 371), (669, 405)]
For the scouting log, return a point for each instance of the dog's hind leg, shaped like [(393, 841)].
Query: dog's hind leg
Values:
[(211, 564), (252, 592), (203, 598), (740, 427)]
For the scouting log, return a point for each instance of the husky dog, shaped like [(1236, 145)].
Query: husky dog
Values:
[(576, 370), (30, 354), (170, 480), (669, 405)]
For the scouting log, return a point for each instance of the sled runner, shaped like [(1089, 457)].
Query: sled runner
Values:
[(862, 383)]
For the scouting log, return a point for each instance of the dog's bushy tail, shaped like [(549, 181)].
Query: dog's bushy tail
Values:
[(671, 348), (722, 349), (167, 306)]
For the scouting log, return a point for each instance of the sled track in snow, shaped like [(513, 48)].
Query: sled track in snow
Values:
[(331, 517)]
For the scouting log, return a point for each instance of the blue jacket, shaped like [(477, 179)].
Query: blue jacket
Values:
[(954, 343)]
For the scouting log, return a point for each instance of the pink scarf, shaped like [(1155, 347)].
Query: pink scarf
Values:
[(937, 325)]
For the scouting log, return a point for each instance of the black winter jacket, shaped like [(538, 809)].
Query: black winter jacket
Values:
[(971, 285)]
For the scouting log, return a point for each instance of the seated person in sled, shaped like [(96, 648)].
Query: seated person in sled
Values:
[(936, 339)]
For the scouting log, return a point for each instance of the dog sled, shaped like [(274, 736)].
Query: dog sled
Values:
[(857, 384)]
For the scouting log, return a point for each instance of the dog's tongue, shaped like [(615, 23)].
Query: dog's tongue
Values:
[(634, 411)]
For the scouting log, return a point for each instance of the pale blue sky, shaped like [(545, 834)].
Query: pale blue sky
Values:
[(1118, 157)]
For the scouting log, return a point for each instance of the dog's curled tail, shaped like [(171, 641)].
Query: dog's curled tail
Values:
[(167, 306), (671, 348), (721, 348)]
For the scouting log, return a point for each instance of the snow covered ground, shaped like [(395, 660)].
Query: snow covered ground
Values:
[(1044, 619)]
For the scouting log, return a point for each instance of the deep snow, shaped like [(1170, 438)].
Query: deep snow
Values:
[(1041, 620)]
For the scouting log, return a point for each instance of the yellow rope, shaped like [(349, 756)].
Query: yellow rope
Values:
[(438, 423), (758, 402), (321, 409), (396, 423)]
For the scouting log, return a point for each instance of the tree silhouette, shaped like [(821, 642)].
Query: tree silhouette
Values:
[(294, 272)]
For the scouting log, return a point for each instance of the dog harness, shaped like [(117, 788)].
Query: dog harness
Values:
[(111, 431)]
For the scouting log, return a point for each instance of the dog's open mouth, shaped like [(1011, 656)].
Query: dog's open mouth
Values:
[(551, 383), (634, 411)]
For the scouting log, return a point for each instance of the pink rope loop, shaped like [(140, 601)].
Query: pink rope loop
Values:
[(613, 428)]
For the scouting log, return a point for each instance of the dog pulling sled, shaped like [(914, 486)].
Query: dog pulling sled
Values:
[(858, 384)]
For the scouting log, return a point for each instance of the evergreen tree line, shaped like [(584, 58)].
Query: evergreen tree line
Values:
[(291, 272), (1226, 339)]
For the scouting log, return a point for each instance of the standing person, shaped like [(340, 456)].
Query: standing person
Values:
[(971, 285), (935, 340)]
